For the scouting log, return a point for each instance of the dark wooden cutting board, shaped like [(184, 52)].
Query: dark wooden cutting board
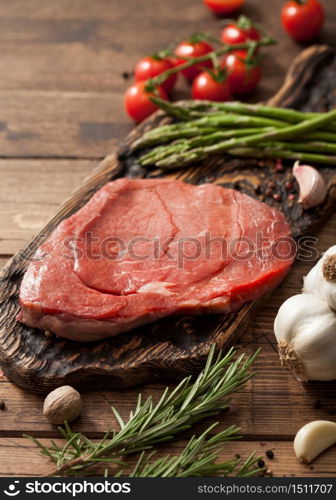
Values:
[(173, 347)]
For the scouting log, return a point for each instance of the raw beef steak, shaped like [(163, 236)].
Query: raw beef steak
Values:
[(143, 249)]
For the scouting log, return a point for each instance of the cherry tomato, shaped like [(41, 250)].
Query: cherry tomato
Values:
[(240, 32), (224, 6), (137, 102), (243, 75), (302, 20), (193, 48), (211, 87), (151, 66)]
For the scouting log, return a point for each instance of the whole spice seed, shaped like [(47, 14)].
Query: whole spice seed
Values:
[(126, 75), (2, 405), (261, 464), (277, 197), (317, 404), (279, 167), (269, 454), (64, 403)]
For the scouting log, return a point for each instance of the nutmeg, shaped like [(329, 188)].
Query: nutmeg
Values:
[(64, 403)]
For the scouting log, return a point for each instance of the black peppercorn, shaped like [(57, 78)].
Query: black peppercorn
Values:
[(126, 75), (270, 454)]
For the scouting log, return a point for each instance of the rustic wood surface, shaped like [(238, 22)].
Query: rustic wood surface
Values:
[(177, 346), (66, 63)]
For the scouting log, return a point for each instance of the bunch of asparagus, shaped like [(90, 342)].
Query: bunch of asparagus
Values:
[(234, 128)]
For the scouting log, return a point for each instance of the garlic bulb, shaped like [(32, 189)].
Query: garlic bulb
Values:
[(321, 279), (305, 328), (313, 438), (313, 189)]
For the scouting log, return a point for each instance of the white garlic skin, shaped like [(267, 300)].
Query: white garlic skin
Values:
[(313, 189), (305, 328), (315, 282), (313, 438)]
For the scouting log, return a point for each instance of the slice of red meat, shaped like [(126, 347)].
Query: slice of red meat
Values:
[(143, 249)]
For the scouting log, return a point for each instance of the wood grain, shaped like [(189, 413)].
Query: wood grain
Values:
[(21, 456), (49, 48), (172, 347), (90, 45), (61, 64), (46, 184), (260, 413)]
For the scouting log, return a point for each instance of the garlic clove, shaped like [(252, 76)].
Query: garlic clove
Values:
[(316, 283), (313, 189), (313, 438), (305, 328)]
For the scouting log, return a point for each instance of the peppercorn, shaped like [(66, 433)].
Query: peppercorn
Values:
[(317, 404), (126, 75), (279, 166), (270, 454), (277, 197), (261, 464), (2, 405)]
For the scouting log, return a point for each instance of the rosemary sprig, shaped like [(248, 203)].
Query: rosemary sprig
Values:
[(151, 424), (198, 458)]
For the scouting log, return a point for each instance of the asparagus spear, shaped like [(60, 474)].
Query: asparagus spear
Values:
[(197, 136), (314, 147), (285, 154), (192, 110), (188, 110), (177, 158), (207, 124), (183, 144)]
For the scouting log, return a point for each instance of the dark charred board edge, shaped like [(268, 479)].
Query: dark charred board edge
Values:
[(171, 348)]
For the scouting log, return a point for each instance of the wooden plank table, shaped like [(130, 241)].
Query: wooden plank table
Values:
[(61, 90)]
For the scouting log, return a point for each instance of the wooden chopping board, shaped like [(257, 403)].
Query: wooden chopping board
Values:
[(177, 346)]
